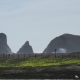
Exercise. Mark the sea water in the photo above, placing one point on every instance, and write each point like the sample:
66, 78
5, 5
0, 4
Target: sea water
39, 79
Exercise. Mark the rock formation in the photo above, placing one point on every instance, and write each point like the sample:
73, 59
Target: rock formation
69, 42
4, 48
25, 49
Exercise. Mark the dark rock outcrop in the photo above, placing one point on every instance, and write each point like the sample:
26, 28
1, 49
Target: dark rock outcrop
4, 48
67, 41
25, 49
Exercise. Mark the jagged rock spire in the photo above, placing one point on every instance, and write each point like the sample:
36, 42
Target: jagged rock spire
26, 49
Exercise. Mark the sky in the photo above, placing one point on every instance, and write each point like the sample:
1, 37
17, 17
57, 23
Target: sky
38, 21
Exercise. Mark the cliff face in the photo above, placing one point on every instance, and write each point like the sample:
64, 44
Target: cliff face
25, 49
66, 41
4, 48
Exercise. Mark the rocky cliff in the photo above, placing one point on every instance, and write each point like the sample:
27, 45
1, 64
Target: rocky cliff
4, 48
69, 42
26, 49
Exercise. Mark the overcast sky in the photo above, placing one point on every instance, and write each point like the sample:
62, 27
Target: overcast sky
38, 21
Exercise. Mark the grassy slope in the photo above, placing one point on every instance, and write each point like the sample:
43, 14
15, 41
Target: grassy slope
38, 62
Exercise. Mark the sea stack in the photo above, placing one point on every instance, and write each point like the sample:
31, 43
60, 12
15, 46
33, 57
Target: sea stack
4, 48
26, 49
69, 42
